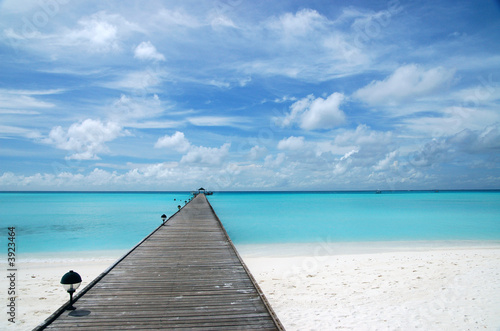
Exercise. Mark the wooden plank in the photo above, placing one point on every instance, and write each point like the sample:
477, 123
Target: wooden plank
185, 275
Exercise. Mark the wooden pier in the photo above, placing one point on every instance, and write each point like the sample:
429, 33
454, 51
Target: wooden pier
185, 275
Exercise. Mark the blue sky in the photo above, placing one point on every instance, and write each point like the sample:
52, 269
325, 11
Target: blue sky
249, 95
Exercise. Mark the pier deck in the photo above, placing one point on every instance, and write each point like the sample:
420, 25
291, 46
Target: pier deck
185, 275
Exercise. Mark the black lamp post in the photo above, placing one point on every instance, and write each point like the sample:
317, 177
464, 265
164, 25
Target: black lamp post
71, 281
164, 218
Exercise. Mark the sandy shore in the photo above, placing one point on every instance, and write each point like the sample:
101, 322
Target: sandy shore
426, 286
383, 286
39, 292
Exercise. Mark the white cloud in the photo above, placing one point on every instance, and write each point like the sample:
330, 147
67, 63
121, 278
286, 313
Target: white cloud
327, 147
291, 143
33, 92
177, 142
371, 24
364, 148
206, 155
432, 153
274, 162
346, 163
155, 171
486, 140
349, 154
342, 167
97, 32
387, 162
343, 51
194, 154
218, 83
406, 83
143, 80
313, 46
324, 114
479, 95
219, 20
12, 131
19, 104
228, 49
363, 136
285, 98
84, 139
146, 51
316, 113
24, 100
298, 24
450, 121
256, 152
128, 109
460, 147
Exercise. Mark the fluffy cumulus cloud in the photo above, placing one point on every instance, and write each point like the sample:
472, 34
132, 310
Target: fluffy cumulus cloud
291, 143
406, 83
365, 150
146, 51
84, 139
193, 154
177, 142
257, 152
276, 161
299, 24
389, 161
206, 155
312, 113
98, 31
363, 135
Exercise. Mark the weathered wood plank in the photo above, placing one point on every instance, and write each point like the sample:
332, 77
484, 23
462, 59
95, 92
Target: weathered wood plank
185, 275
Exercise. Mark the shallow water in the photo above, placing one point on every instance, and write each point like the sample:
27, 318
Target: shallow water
58, 222
359, 216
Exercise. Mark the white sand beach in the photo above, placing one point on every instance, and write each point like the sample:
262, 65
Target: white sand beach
39, 292
383, 286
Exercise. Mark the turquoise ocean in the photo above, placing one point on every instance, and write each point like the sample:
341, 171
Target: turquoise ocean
86, 221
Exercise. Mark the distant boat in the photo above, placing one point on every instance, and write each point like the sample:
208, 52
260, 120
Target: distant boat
378, 191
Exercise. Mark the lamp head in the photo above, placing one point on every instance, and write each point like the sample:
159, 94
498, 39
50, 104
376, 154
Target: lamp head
71, 281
